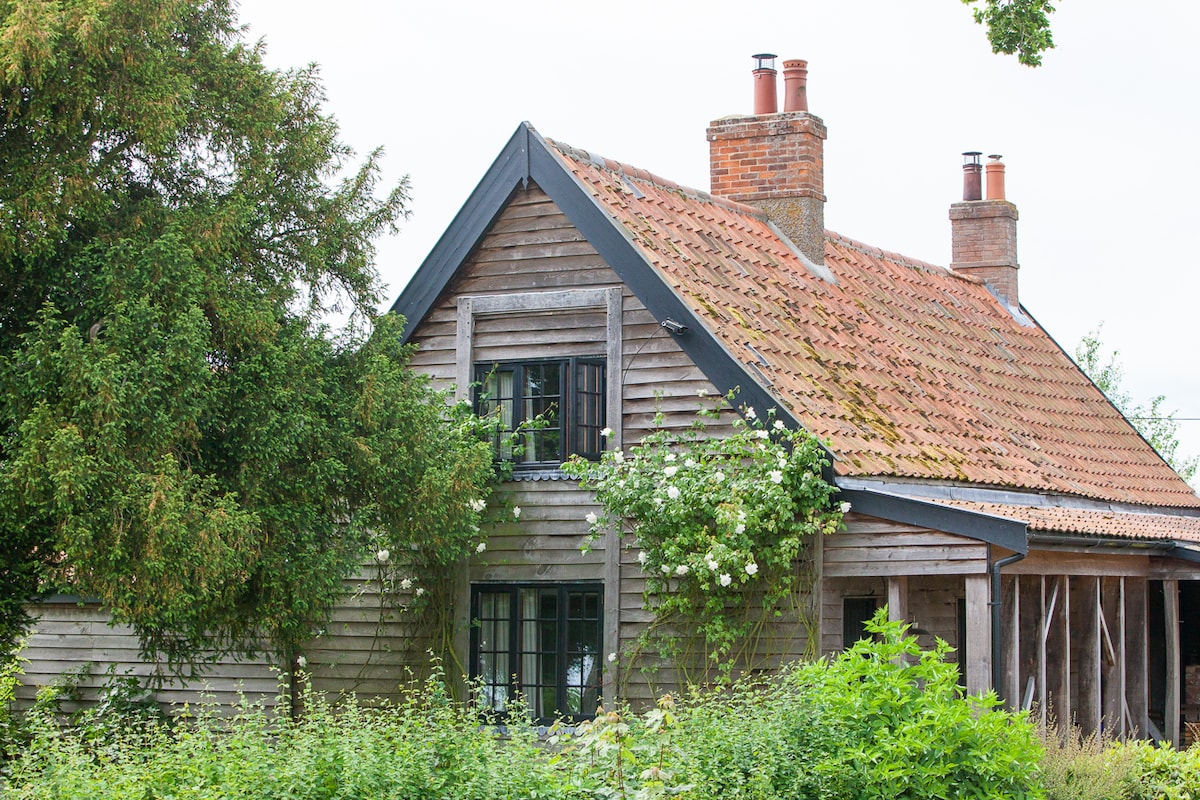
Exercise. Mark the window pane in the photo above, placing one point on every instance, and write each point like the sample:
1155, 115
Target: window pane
542, 409
583, 631
589, 411
493, 668
496, 398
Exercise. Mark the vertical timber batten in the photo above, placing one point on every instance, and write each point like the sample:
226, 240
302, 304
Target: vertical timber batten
979, 634
1171, 609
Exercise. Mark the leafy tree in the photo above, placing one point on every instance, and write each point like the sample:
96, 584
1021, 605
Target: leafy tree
1017, 26
179, 435
1156, 425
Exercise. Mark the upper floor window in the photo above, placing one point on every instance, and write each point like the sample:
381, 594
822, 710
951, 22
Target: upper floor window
555, 408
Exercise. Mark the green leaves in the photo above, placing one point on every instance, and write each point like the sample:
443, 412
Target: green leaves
1017, 26
720, 521
179, 436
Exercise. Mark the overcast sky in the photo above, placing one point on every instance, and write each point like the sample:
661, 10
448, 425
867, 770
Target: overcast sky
1099, 141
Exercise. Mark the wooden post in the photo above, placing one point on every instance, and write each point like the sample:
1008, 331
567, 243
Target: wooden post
897, 598
979, 637
1043, 692
1137, 692
1171, 607
1011, 625
1089, 701
1112, 634
612, 613
1058, 653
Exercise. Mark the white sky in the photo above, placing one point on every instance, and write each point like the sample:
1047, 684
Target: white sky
1099, 141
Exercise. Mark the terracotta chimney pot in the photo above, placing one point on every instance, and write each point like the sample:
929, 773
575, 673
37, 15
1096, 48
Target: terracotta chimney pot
795, 85
995, 178
765, 99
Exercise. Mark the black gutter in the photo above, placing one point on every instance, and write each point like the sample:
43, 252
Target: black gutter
997, 619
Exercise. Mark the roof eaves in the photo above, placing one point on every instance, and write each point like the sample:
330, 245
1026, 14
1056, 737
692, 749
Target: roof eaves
1001, 531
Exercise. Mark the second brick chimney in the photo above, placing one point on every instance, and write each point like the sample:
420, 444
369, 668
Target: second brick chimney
984, 231
775, 160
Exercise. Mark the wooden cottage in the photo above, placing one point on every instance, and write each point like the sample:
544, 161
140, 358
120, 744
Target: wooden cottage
998, 500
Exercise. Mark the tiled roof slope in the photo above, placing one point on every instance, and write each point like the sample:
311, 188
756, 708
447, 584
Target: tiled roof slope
1097, 522
905, 368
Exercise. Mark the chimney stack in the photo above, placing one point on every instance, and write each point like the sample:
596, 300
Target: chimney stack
984, 232
774, 160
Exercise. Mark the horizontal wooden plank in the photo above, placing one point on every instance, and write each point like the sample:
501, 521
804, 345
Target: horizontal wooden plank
897, 554
888, 568
853, 538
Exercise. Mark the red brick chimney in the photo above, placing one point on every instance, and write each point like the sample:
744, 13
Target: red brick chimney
775, 160
984, 232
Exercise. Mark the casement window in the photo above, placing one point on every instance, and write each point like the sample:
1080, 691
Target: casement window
556, 408
543, 641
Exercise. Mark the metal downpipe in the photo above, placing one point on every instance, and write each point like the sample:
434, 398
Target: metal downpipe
997, 622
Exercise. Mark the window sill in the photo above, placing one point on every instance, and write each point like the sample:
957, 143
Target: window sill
539, 474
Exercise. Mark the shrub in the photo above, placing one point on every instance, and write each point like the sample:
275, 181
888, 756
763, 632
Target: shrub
911, 732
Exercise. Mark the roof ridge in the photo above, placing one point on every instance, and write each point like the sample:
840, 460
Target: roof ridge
896, 258
637, 173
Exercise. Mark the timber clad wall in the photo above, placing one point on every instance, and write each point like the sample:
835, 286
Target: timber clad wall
69, 635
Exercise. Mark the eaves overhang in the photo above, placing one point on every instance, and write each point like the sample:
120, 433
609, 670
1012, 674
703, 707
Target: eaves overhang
1008, 533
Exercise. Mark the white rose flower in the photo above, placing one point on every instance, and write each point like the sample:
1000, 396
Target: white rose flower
478, 506
516, 512
782, 462
846, 507
752, 568
719, 477
591, 518
479, 548
681, 570
750, 412
673, 492
670, 471
420, 591
612, 658
669, 457
382, 556
666, 569
763, 434
691, 462
301, 662
642, 557
725, 579
779, 425
776, 476
406, 584
711, 562
740, 529
619, 457
702, 392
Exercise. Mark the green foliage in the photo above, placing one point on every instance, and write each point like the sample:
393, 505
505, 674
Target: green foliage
1017, 26
859, 726
909, 730
1156, 425
180, 438
720, 522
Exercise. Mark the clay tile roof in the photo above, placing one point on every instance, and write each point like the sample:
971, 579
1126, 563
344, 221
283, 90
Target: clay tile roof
1095, 522
905, 368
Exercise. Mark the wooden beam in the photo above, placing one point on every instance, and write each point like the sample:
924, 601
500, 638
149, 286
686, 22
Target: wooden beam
979, 638
897, 597
1088, 703
1011, 633
1043, 695
1113, 667
1058, 652
1137, 693
1171, 608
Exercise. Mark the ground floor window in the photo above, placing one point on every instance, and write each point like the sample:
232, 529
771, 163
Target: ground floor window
856, 612
541, 640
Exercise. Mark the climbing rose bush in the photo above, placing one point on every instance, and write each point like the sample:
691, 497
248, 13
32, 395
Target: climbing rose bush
720, 522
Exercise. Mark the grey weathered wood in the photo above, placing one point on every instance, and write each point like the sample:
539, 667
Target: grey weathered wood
897, 597
1088, 708
1010, 624
979, 639
1171, 636
1136, 687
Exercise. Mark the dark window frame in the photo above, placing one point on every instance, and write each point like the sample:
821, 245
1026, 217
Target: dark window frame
580, 398
589, 692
